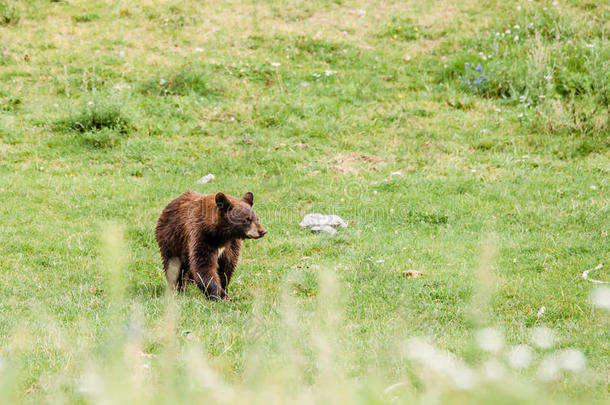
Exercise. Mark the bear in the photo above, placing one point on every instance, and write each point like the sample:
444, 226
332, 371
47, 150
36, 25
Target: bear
200, 238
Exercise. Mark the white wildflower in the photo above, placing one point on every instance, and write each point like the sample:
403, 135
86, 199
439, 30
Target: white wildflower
601, 297
520, 356
549, 368
493, 370
442, 363
275, 64
490, 340
91, 384
571, 360
543, 337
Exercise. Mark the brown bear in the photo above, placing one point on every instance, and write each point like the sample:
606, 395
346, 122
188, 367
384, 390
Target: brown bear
200, 238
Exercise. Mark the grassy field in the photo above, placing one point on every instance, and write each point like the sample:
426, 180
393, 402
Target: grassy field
467, 140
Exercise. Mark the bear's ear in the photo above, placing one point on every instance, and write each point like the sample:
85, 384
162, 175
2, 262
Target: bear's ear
249, 198
223, 202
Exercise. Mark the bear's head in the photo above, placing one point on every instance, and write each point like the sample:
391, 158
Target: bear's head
238, 217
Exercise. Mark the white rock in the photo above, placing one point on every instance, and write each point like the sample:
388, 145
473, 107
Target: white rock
321, 222
324, 228
205, 179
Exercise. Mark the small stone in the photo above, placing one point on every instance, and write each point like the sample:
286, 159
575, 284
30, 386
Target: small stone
412, 273
315, 219
206, 179
324, 228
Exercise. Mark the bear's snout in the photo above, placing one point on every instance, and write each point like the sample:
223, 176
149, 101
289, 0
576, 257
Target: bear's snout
256, 231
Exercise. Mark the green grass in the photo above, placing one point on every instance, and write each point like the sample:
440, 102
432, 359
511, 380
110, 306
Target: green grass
108, 110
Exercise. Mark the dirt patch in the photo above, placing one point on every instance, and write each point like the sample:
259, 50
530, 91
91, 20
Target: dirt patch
355, 162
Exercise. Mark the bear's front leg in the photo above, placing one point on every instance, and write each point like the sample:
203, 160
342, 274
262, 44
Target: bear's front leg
227, 262
204, 271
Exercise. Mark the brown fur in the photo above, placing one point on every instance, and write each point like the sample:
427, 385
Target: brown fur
205, 232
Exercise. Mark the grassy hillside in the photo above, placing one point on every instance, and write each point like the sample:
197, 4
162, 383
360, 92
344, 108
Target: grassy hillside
466, 140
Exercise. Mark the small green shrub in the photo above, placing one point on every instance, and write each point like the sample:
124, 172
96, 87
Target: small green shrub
257, 72
9, 134
100, 123
431, 218
255, 41
319, 49
103, 138
584, 116
95, 116
399, 28
8, 14
185, 81
83, 18
9, 103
